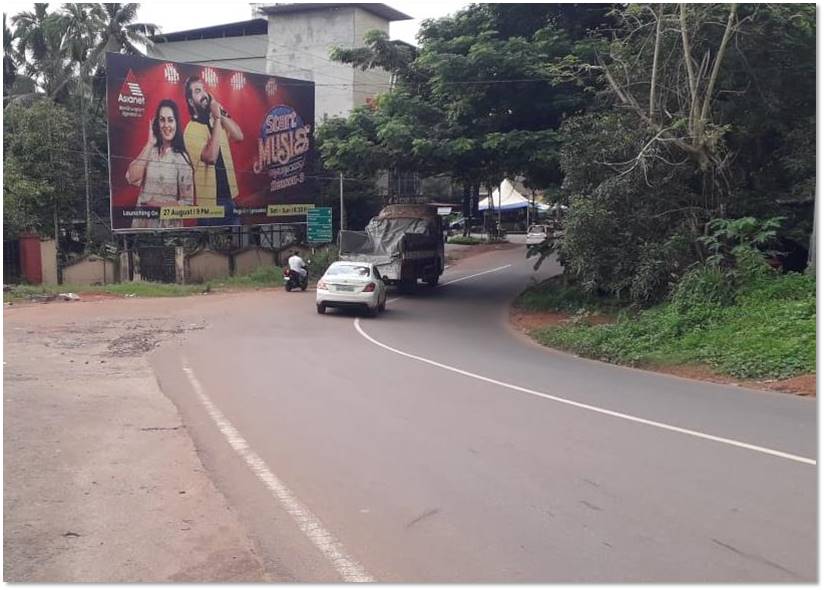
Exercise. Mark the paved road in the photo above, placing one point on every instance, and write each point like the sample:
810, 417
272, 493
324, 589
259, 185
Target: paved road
434, 444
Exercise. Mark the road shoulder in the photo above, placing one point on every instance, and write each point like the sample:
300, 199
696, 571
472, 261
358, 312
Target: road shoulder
102, 481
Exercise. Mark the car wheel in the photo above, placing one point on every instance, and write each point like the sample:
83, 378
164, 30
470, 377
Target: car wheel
321, 308
382, 305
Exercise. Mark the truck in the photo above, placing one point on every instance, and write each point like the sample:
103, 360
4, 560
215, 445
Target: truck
404, 242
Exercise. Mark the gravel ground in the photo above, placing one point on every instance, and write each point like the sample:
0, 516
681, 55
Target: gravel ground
102, 482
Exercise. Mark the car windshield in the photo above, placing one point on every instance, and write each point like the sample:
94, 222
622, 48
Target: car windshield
348, 270
537, 229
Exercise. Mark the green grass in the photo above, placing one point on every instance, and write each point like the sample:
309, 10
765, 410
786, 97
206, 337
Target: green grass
269, 276
136, 288
464, 240
554, 295
264, 276
767, 332
472, 241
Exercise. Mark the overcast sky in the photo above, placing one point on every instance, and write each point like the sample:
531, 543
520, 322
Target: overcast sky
181, 16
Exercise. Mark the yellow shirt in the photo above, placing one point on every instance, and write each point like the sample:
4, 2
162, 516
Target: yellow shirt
195, 137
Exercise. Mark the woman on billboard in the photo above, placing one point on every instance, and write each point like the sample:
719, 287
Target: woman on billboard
163, 169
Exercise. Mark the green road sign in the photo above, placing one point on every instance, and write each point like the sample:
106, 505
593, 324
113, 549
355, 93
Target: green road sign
319, 225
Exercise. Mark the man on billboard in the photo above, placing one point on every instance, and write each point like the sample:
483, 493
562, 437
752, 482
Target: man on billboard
207, 139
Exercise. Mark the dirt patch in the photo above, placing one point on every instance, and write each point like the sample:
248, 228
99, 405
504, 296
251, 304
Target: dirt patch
454, 255
84, 296
527, 321
801, 385
805, 385
102, 482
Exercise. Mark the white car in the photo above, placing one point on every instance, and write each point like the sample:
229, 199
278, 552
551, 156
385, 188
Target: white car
536, 234
356, 285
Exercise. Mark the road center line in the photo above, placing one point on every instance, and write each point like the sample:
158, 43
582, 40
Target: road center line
311, 526
477, 274
591, 408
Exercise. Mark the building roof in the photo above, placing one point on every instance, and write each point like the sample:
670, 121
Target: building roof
381, 10
256, 26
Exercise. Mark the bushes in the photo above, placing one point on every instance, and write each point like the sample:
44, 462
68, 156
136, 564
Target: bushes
465, 240
761, 325
321, 259
471, 241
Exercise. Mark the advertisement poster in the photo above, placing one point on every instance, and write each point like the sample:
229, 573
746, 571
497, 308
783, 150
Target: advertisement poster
195, 146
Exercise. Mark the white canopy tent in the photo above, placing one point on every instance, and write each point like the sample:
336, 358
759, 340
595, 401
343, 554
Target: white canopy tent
507, 198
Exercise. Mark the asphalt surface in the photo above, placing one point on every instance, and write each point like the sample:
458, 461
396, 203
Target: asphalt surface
349, 456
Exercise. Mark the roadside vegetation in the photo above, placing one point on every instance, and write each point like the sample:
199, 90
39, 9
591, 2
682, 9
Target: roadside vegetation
733, 313
473, 241
260, 278
320, 260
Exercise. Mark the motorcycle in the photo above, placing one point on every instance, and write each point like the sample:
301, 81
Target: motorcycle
293, 280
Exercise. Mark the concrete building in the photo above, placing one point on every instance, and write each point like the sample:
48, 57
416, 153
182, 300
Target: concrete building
292, 40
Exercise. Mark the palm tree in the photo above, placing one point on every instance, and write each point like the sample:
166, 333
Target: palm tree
118, 34
9, 59
84, 25
44, 50
97, 29
29, 31
55, 47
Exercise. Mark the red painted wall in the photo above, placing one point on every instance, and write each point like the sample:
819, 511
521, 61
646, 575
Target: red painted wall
30, 265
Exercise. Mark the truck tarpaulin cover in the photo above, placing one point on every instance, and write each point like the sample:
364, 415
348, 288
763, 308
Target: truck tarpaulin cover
383, 239
193, 146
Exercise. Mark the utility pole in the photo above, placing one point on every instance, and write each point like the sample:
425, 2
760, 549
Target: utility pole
342, 211
87, 244
528, 207
499, 207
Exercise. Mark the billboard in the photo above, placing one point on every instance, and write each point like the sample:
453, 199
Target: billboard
194, 146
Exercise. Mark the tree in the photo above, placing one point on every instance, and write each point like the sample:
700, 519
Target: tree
64, 52
703, 112
22, 198
43, 47
9, 60
41, 144
476, 101
118, 33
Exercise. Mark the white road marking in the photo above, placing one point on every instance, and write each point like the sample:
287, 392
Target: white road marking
311, 526
477, 274
629, 417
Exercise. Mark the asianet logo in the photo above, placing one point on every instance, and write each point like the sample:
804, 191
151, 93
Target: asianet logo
130, 92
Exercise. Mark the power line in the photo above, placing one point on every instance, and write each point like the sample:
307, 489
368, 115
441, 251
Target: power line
344, 82
384, 84
247, 55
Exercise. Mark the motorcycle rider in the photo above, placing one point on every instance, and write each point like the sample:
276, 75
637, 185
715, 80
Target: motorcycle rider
297, 264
